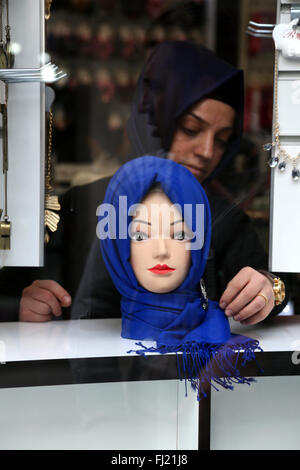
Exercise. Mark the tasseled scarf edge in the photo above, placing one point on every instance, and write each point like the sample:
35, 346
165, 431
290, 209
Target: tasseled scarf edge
205, 364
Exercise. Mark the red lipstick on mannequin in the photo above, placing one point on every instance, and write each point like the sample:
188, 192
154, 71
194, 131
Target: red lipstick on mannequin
161, 269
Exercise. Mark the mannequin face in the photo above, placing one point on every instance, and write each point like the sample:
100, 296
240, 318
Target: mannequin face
159, 257
201, 137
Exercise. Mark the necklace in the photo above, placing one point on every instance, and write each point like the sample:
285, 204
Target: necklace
281, 157
52, 204
6, 60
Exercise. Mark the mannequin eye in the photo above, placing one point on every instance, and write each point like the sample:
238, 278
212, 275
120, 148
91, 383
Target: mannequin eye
139, 236
181, 235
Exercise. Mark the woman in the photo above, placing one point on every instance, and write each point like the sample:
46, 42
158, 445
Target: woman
188, 106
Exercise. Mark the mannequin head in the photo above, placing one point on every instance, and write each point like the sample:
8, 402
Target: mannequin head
159, 253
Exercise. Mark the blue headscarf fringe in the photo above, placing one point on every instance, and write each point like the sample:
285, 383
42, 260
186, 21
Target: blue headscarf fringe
205, 364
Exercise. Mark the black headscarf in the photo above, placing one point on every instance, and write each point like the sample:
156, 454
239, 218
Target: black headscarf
176, 76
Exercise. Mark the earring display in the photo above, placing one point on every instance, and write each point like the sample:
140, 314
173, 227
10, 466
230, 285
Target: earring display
5, 225
6, 61
280, 157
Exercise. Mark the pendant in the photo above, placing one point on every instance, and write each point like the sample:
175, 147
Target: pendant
267, 147
282, 166
295, 174
52, 206
273, 162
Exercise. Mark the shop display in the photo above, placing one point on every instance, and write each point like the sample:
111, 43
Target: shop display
104, 83
6, 61
104, 42
287, 39
5, 225
159, 302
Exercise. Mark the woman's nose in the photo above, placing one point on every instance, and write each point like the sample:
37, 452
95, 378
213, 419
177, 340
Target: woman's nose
204, 146
160, 248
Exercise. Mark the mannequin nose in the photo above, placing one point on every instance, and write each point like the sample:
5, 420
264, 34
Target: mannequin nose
160, 249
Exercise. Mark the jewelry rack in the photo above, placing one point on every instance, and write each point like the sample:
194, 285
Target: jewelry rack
25, 135
284, 254
48, 73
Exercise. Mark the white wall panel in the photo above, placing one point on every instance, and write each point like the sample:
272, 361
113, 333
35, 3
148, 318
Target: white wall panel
26, 139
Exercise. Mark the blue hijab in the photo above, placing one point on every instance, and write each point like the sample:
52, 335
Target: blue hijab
183, 321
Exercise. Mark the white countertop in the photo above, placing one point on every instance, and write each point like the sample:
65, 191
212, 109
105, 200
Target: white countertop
68, 339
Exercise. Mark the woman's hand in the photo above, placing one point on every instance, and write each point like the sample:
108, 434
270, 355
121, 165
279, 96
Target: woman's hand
248, 297
42, 300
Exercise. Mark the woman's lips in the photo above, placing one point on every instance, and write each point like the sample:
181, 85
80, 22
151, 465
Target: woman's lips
193, 169
161, 269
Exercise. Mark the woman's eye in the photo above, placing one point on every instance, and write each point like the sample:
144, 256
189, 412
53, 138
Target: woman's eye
139, 236
189, 132
222, 143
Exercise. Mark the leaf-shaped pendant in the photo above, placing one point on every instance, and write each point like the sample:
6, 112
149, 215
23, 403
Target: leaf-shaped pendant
51, 218
52, 203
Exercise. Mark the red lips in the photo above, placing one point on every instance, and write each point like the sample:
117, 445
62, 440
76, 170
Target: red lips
161, 269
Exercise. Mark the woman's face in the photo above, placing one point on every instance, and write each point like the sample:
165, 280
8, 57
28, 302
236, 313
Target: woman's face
160, 255
201, 137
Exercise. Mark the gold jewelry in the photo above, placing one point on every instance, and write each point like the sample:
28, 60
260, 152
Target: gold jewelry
10, 55
6, 61
47, 9
263, 296
52, 204
278, 286
274, 160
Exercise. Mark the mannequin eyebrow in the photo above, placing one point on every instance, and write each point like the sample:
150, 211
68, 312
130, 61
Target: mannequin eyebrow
176, 222
149, 223
141, 221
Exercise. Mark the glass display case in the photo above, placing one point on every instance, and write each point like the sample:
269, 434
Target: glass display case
88, 88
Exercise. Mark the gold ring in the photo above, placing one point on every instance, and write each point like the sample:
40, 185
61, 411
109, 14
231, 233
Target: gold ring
264, 297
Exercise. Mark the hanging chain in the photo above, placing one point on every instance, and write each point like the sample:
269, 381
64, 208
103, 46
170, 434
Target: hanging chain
49, 160
1, 21
5, 155
52, 205
7, 27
